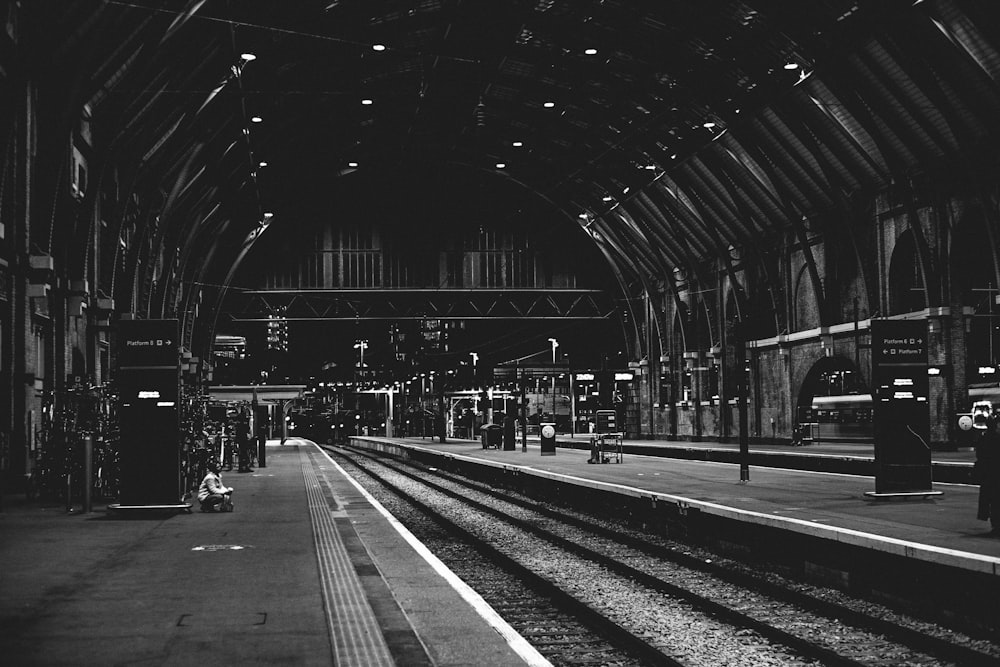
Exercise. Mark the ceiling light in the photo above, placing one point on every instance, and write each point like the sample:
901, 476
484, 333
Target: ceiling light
607, 198
651, 167
268, 215
501, 165
367, 102
591, 52
791, 65
256, 119
378, 47
625, 191
517, 144
262, 163
247, 57
709, 124
352, 164
549, 105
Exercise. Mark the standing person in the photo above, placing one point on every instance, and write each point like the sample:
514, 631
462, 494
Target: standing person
243, 445
213, 495
987, 468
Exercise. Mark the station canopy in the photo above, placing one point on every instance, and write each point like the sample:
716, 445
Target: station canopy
670, 135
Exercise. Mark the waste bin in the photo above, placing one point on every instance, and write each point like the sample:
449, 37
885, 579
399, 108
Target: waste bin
492, 435
547, 431
509, 433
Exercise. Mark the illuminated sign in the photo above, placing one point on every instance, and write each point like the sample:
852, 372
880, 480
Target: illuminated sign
149, 394
623, 376
585, 377
987, 370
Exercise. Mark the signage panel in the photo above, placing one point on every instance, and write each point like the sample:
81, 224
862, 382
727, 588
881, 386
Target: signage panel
606, 421
148, 343
901, 414
149, 446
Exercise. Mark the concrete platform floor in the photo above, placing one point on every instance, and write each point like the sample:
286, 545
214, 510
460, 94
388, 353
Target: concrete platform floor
306, 571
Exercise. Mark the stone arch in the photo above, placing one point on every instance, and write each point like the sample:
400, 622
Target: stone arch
848, 415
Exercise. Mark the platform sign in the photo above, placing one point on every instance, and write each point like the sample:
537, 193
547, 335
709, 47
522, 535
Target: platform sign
147, 343
901, 412
606, 421
148, 383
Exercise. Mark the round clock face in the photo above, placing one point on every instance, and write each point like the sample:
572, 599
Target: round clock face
548, 431
965, 422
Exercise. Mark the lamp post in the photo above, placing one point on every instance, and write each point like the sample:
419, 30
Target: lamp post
361, 345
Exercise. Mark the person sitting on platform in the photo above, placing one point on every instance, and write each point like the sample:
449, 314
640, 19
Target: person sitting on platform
987, 466
213, 495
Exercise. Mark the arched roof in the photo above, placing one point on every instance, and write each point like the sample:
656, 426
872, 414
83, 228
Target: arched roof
670, 131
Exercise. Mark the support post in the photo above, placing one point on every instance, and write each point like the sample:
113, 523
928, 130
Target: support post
742, 385
88, 474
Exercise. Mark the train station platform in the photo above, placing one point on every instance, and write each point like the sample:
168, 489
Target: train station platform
931, 549
804, 497
305, 571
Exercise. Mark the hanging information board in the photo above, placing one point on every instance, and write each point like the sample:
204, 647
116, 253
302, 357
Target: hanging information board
900, 408
148, 387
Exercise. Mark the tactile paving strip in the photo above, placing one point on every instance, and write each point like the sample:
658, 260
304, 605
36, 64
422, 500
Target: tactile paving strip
354, 631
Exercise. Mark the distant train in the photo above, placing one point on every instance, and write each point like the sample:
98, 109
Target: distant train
848, 417
843, 418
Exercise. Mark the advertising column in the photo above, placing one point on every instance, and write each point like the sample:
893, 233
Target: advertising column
148, 382
900, 410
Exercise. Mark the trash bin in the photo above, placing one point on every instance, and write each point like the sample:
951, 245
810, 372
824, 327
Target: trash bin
509, 433
492, 435
547, 431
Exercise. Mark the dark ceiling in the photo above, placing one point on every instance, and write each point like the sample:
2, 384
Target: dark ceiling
669, 131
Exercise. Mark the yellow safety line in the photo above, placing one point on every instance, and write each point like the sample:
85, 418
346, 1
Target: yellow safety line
354, 632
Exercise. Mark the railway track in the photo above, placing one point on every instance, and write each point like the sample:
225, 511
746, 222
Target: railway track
554, 623
646, 587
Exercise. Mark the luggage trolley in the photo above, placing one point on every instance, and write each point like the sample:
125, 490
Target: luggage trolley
606, 444
606, 447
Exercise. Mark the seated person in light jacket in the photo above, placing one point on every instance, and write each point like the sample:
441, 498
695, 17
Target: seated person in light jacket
213, 494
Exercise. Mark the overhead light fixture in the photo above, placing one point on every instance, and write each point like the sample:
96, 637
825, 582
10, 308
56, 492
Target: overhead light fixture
268, 215
501, 165
548, 105
651, 167
708, 124
367, 101
791, 66
591, 52
352, 164
517, 144
256, 119
625, 191
378, 47
247, 57
607, 198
